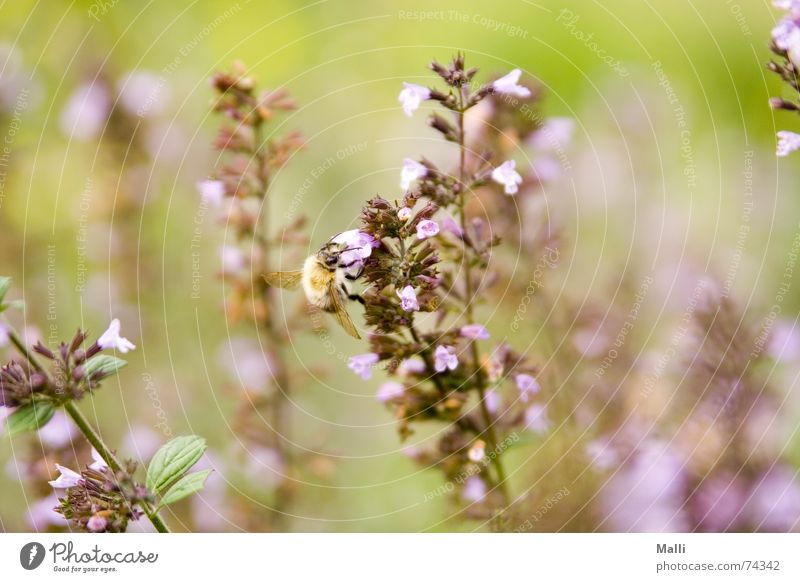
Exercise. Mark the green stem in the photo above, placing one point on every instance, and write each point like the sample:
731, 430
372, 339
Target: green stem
491, 437
86, 429
111, 460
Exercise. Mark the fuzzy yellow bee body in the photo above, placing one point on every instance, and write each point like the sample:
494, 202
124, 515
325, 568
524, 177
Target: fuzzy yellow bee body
324, 279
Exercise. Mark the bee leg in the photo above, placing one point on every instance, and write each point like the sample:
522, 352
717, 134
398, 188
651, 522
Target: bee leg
358, 298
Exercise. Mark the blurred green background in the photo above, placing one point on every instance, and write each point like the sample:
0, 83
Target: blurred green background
631, 199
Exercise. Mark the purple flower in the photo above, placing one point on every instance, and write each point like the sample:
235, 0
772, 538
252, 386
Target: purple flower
452, 227
411, 96
59, 432
788, 141
555, 133
86, 111
474, 331
506, 175
232, 258
601, 454
474, 489
493, 401
362, 365
412, 170
411, 366
211, 191
536, 419
510, 85
786, 36
112, 340
408, 299
404, 213
97, 523
359, 243
390, 391
445, 358
68, 478
427, 229
527, 386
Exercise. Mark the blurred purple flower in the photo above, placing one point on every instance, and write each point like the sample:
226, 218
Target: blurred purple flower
96, 523
411, 366
42, 514
774, 504
555, 133
784, 342
452, 227
493, 401
362, 365
232, 258
59, 432
474, 331
211, 191
527, 386
536, 419
445, 358
412, 170
404, 213
86, 111
474, 489
388, 391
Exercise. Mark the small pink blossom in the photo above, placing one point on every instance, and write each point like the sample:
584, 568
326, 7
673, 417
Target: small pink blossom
408, 299
411, 366
477, 451
427, 229
389, 391
493, 401
362, 365
404, 213
474, 489
68, 478
452, 227
527, 386
506, 175
412, 170
99, 463
509, 85
232, 258
536, 419
411, 96
112, 340
97, 523
211, 191
788, 141
474, 331
445, 358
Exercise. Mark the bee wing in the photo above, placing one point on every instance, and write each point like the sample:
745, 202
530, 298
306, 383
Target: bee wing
284, 279
340, 312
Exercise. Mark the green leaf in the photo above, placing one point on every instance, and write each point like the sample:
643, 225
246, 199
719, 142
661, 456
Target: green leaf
185, 486
173, 460
5, 283
103, 365
32, 416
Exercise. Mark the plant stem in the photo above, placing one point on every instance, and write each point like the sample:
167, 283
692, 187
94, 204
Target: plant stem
111, 460
279, 416
86, 429
491, 437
